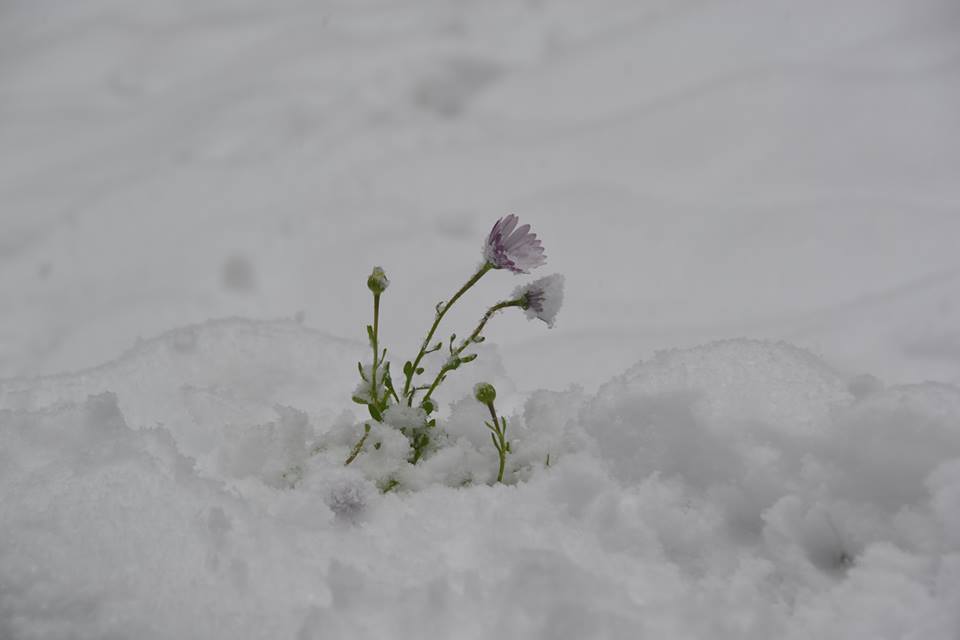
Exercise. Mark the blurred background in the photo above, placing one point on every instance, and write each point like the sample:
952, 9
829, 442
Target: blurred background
697, 170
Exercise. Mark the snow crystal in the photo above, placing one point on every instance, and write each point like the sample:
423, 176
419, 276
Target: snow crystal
403, 417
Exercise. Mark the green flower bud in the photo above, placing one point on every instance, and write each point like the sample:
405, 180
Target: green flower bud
377, 282
485, 393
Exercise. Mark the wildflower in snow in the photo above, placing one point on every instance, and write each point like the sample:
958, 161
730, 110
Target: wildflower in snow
541, 298
511, 247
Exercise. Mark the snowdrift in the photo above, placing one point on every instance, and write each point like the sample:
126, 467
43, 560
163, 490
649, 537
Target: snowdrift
740, 489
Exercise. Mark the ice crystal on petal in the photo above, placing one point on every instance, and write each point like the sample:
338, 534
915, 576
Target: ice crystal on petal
542, 298
511, 247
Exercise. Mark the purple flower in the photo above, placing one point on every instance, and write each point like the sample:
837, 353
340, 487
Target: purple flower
542, 298
514, 248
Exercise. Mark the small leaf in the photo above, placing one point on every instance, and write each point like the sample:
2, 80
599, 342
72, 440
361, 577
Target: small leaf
507, 446
375, 413
362, 374
427, 406
377, 445
407, 368
432, 423
468, 358
360, 400
370, 333
479, 339
419, 370
496, 444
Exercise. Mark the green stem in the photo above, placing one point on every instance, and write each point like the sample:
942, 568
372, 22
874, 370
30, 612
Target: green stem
433, 328
470, 340
501, 437
357, 448
376, 329
483, 322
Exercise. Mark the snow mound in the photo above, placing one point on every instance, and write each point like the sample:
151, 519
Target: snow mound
210, 383
735, 490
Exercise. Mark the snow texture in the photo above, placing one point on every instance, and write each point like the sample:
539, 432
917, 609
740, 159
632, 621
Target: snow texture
193, 193
734, 490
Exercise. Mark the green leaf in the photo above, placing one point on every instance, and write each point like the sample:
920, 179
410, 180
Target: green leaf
468, 358
428, 406
360, 400
496, 444
419, 370
370, 333
375, 413
408, 368
360, 369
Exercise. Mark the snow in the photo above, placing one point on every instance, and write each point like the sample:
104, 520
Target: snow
737, 489
744, 425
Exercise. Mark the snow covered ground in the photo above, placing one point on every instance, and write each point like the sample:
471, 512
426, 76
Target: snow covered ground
750, 400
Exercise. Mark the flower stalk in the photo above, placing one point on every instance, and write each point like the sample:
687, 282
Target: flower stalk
486, 394
357, 448
410, 369
454, 361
